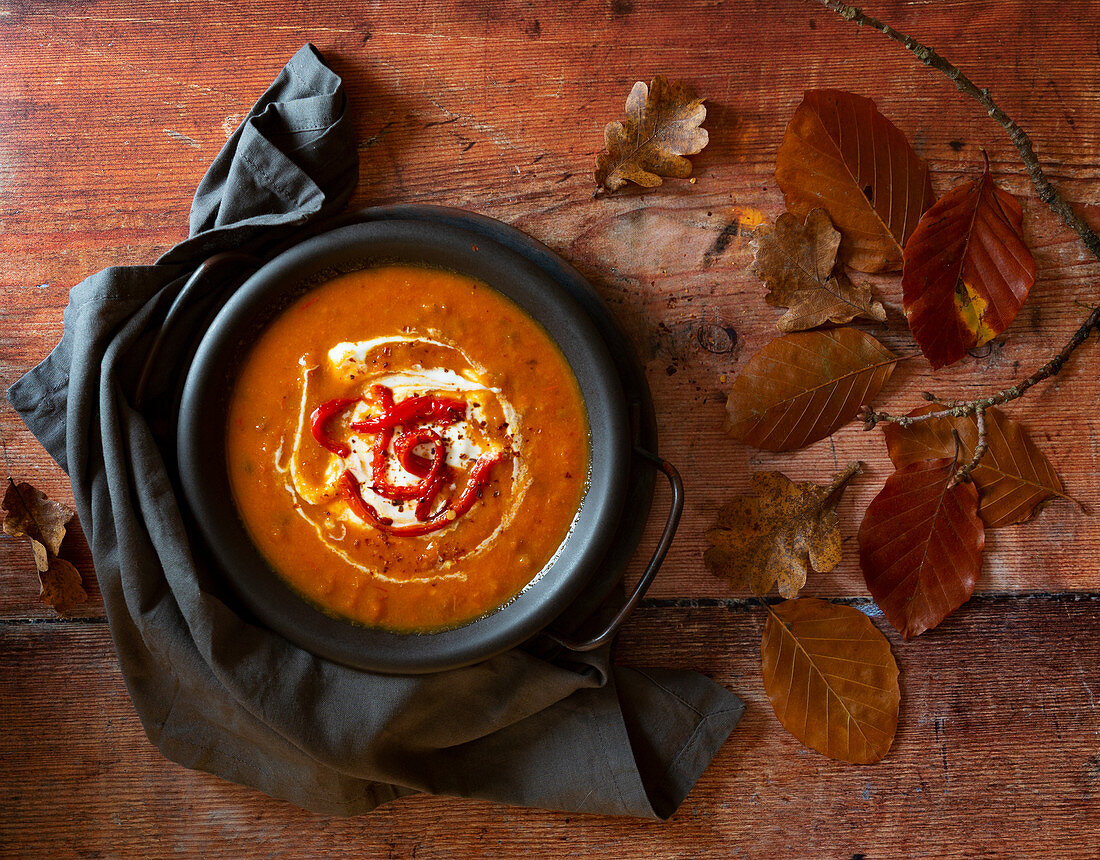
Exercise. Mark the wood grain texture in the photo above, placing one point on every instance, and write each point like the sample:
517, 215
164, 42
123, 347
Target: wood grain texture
984, 750
110, 111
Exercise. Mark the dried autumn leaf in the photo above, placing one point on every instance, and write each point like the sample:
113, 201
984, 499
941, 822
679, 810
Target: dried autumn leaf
920, 545
778, 534
29, 513
803, 387
841, 154
662, 125
831, 678
967, 270
796, 263
1014, 478
62, 587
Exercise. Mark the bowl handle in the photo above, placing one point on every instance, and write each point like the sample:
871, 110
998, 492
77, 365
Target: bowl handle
676, 508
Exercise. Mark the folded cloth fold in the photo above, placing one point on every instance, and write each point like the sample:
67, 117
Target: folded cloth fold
219, 693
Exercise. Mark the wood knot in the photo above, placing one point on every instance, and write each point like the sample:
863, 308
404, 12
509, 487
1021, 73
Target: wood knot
717, 339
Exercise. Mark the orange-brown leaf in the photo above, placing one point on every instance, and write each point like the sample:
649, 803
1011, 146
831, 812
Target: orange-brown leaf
662, 125
841, 154
831, 678
776, 535
967, 270
29, 513
796, 261
920, 545
62, 587
802, 387
1014, 478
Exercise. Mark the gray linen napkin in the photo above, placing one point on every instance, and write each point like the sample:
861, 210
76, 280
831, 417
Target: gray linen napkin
218, 693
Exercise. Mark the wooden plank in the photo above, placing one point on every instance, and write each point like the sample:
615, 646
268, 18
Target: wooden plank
998, 753
114, 110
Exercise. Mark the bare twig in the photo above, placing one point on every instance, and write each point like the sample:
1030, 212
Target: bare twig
982, 445
1047, 193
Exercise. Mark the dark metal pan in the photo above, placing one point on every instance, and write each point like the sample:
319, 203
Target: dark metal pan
202, 427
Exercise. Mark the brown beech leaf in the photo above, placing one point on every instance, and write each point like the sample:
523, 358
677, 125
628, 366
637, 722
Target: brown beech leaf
29, 513
662, 125
967, 270
920, 545
62, 587
831, 678
775, 536
841, 154
796, 263
1015, 480
803, 387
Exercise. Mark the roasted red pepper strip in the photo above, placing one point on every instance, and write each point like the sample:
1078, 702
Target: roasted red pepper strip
475, 483
445, 410
382, 441
319, 419
403, 448
363, 510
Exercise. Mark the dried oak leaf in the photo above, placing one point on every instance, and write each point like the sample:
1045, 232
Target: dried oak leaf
920, 545
967, 270
29, 513
796, 263
1015, 480
802, 387
662, 125
62, 587
841, 154
775, 536
831, 678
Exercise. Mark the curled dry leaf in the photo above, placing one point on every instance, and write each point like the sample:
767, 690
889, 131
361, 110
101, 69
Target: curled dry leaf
831, 678
1015, 480
802, 387
967, 270
29, 513
662, 125
841, 154
775, 536
62, 587
796, 262
920, 545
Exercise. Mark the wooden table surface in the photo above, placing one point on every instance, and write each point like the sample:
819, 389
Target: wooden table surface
109, 114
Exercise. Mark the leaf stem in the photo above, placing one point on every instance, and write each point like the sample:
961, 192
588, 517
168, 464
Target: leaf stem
1047, 193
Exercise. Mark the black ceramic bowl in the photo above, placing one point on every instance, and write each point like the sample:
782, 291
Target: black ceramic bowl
202, 429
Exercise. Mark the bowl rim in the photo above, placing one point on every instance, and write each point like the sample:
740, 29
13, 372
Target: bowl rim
201, 441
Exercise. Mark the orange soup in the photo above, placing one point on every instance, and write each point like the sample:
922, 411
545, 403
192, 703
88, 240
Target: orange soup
407, 447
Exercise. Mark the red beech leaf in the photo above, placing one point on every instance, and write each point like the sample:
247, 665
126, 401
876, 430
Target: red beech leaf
920, 545
841, 154
831, 678
803, 387
967, 270
1015, 480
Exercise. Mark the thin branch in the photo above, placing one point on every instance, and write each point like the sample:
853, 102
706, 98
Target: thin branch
1047, 193
963, 474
